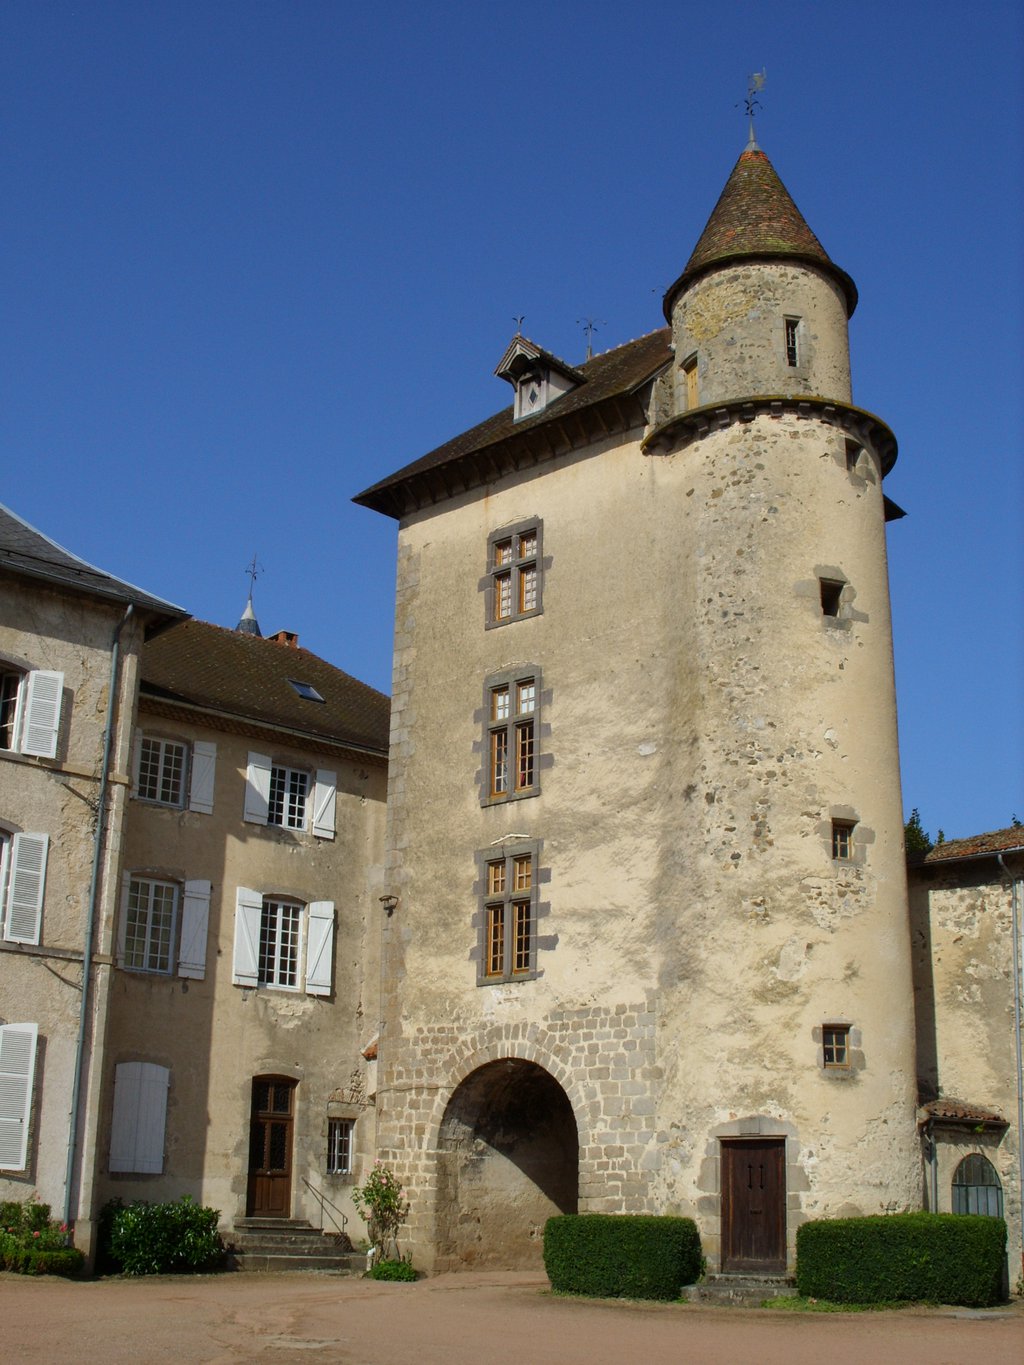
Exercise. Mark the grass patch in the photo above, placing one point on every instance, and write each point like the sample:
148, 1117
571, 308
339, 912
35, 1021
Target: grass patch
798, 1304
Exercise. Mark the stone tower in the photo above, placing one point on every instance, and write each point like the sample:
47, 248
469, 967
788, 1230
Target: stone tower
650, 948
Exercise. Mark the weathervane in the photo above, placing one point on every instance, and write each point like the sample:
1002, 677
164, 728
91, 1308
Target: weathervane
252, 572
754, 87
590, 326
519, 324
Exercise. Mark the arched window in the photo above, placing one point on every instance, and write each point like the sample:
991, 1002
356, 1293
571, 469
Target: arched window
976, 1187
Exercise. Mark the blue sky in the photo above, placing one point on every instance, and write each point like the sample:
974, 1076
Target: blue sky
257, 255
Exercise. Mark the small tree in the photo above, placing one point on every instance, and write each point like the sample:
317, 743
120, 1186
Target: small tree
915, 836
383, 1207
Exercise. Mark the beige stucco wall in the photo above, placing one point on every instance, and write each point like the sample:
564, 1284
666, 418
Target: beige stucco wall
702, 724
215, 1036
43, 628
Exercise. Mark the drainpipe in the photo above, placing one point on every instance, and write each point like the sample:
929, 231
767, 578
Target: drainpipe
90, 921
1018, 967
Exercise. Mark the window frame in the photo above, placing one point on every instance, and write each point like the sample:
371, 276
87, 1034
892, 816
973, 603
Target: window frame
792, 342
514, 734
132, 879
295, 910
960, 1191
514, 570
164, 743
835, 1039
287, 774
345, 1150
35, 708
842, 840
12, 682
508, 914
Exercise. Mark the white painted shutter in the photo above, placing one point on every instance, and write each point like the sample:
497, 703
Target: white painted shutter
140, 1118
17, 1068
325, 798
25, 887
204, 768
43, 695
319, 948
257, 789
195, 925
248, 913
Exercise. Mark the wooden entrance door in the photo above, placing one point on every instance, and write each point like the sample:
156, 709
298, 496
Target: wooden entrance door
754, 1205
270, 1148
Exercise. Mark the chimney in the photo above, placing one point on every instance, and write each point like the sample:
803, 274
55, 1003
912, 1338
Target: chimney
286, 637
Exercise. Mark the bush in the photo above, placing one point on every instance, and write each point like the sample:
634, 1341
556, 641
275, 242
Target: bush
31, 1243
612, 1256
160, 1239
935, 1257
393, 1270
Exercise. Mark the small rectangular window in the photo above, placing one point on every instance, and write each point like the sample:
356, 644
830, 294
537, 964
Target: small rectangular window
340, 1133
793, 342
305, 690
161, 775
842, 840
514, 570
836, 1045
853, 454
831, 596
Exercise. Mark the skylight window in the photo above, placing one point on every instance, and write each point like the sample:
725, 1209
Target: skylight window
306, 690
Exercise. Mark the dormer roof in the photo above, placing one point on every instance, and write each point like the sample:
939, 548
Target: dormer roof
523, 355
756, 219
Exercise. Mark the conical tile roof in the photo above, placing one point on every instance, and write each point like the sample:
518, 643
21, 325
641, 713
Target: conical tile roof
755, 219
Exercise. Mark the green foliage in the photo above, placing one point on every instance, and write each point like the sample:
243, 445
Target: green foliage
160, 1239
31, 1243
929, 1257
393, 1270
915, 838
383, 1207
621, 1256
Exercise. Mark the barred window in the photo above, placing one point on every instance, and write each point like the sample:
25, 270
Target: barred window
340, 1133
280, 932
976, 1187
151, 912
161, 771
514, 569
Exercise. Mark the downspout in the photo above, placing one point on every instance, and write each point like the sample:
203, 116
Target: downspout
90, 921
1018, 966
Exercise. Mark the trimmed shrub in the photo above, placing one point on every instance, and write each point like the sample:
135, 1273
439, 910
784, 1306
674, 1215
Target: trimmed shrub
393, 1270
31, 1243
621, 1255
161, 1239
935, 1257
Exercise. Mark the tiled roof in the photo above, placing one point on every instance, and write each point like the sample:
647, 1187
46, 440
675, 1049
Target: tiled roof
755, 218
249, 678
478, 454
959, 1112
996, 841
24, 550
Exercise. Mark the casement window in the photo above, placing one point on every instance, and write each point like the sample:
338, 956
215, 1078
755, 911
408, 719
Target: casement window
169, 770
139, 1119
514, 573
508, 917
276, 937
511, 702
286, 797
976, 1187
842, 840
835, 1042
23, 871
30, 711
164, 925
17, 1073
340, 1134
793, 357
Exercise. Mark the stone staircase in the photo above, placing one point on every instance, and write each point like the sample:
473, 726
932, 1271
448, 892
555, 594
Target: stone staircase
748, 1291
290, 1244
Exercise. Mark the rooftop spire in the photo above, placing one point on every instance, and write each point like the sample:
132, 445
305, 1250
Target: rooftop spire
756, 218
248, 625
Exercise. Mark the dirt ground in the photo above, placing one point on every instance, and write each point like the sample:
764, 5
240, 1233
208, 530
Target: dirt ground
501, 1318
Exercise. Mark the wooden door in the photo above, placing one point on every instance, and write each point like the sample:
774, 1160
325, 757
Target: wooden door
270, 1148
754, 1205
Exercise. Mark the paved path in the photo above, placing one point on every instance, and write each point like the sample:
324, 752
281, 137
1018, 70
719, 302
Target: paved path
502, 1318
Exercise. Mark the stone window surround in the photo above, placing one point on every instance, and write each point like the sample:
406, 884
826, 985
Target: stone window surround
861, 837
847, 613
854, 1049
511, 846
487, 583
542, 760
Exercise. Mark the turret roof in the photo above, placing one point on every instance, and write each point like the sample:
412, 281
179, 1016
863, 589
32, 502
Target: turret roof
755, 218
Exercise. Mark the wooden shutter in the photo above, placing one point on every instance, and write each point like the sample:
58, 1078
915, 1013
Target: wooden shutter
25, 887
195, 925
248, 913
43, 695
320, 948
139, 1118
17, 1069
257, 789
204, 769
325, 798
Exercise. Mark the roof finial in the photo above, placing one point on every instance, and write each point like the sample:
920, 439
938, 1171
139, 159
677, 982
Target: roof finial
590, 326
248, 625
519, 324
754, 87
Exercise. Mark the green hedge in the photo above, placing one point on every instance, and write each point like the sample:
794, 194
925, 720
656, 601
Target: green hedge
621, 1256
935, 1257
67, 1261
160, 1239
31, 1243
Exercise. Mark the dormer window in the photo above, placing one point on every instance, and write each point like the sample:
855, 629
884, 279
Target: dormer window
538, 377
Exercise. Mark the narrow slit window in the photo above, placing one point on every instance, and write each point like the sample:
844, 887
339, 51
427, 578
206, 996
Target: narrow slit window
831, 596
853, 454
690, 380
793, 342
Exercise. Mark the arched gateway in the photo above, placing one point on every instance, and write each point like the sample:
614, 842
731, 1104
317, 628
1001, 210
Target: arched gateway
508, 1159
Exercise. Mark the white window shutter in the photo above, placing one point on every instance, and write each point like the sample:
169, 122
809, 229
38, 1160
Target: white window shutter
320, 948
257, 789
140, 1118
325, 800
43, 695
17, 1069
195, 926
25, 887
248, 913
204, 769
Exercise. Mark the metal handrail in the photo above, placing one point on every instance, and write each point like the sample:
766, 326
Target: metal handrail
322, 1200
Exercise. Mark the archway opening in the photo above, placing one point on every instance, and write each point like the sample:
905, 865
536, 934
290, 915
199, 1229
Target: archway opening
508, 1161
